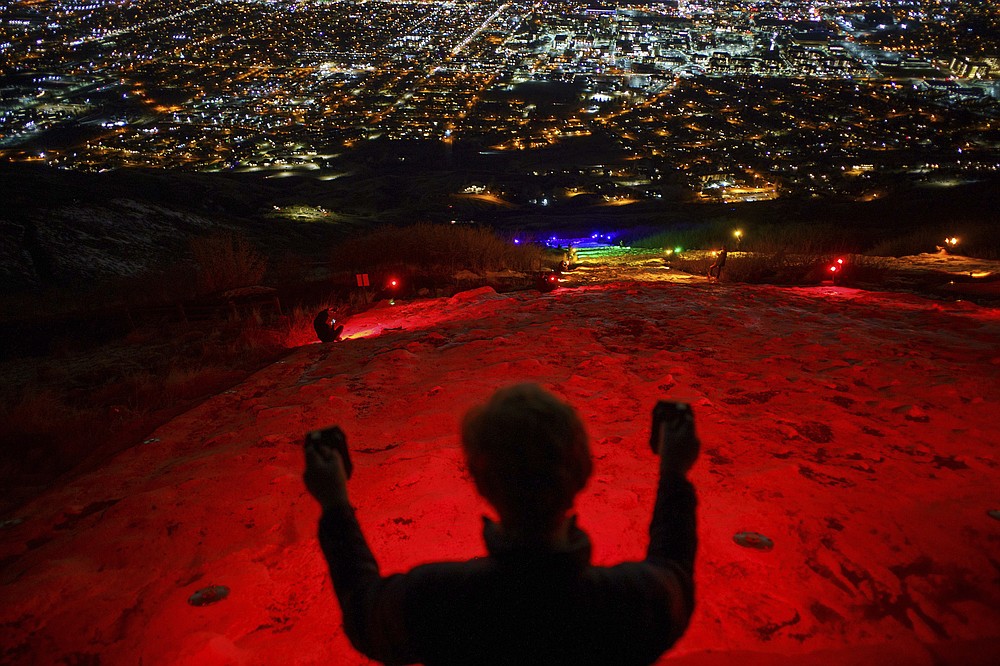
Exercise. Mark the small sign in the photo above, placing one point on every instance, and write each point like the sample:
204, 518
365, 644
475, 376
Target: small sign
362, 279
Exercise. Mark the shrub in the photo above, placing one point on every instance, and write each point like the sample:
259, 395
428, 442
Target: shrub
694, 266
914, 242
775, 268
226, 262
863, 270
759, 268
435, 248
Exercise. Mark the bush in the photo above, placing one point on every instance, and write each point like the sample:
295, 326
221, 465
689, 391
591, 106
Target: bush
226, 262
432, 248
759, 268
863, 270
915, 242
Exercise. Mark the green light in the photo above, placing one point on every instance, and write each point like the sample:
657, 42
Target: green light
678, 249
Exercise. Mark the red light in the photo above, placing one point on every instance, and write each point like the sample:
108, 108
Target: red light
833, 269
392, 283
840, 261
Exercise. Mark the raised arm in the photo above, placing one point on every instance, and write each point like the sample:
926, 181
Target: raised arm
372, 606
673, 535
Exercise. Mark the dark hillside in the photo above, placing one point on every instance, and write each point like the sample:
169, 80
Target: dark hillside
69, 230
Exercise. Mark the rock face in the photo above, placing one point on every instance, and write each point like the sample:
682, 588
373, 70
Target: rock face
852, 431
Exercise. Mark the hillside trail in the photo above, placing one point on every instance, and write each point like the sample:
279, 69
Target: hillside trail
938, 275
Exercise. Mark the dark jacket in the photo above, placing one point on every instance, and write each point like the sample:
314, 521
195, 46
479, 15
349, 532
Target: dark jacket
325, 330
521, 606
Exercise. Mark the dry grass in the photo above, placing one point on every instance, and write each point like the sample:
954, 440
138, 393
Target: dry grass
226, 262
862, 270
72, 411
431, 248
760, 268
785, 269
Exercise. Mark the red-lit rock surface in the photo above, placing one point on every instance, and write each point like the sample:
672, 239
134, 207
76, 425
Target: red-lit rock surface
856, 430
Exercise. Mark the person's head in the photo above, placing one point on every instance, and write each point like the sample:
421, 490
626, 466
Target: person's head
528, 455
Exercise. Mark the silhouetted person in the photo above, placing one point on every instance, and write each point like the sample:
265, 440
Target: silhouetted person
326, 326
720, 263
535, 599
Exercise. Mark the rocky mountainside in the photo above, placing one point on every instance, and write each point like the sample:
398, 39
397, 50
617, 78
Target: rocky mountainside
63, 229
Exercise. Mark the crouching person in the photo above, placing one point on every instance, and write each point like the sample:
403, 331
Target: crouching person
326, 327
535, 599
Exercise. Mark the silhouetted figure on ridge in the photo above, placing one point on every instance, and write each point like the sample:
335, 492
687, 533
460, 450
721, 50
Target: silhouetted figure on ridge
720, 263
535, 599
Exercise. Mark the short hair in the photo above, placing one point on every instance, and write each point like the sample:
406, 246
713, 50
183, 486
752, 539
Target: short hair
528, 454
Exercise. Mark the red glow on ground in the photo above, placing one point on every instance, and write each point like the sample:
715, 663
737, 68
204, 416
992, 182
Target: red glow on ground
854, 430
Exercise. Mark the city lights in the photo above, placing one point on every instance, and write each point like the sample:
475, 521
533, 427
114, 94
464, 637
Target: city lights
744, 106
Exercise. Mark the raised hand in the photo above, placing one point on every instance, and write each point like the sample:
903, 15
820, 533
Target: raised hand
325, 476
